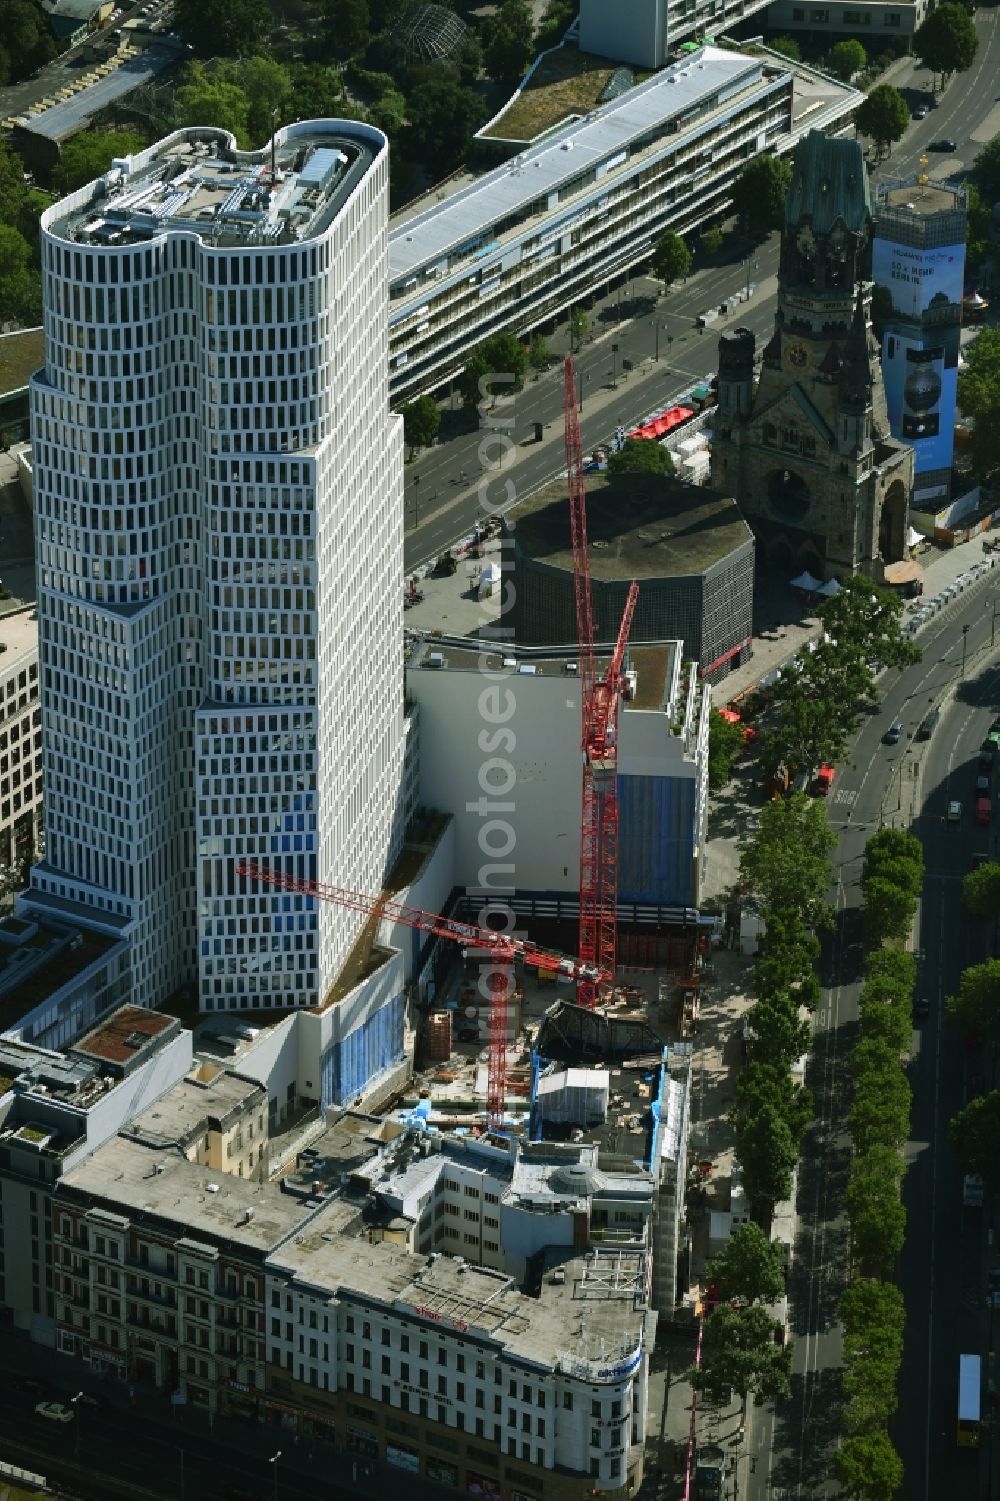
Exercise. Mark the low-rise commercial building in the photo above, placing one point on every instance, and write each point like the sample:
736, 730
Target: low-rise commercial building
874, 22
583, 204
688, 548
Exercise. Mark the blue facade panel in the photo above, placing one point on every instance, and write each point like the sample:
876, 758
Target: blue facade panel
656, 821
359, 1057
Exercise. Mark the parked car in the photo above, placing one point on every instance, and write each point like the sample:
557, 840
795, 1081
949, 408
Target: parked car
921, 1008
984, 811
920, 113
893, 734
983, 785
942, 145
56, 1412
954, 812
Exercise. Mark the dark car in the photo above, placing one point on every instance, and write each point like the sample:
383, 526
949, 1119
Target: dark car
893, 733
942, 145
929, 724
982, 785
920, 112
921, 1008
986, 753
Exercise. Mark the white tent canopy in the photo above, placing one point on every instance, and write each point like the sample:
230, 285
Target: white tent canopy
913, 537
805, 581
829, 589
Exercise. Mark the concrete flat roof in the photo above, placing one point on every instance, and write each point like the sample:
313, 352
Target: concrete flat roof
191, 1104
639, 526
19, 639
567, 154
566, 1321
69, 115
922, 199
128, 1178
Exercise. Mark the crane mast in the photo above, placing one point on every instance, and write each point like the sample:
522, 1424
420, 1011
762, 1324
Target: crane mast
599, 705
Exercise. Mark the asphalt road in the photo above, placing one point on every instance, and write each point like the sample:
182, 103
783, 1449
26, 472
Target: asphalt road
941, 1271
443, 496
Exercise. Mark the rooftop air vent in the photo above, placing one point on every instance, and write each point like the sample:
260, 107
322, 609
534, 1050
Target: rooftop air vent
213, 1188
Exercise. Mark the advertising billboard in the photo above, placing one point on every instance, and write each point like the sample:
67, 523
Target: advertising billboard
917, 280
921, 382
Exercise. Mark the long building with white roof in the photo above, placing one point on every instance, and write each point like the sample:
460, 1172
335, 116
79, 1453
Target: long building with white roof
585, 203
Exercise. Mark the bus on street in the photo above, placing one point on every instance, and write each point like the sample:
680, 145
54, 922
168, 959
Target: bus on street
969, 1388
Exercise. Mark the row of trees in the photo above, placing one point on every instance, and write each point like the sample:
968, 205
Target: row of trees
879, 1123
815, 703
975, 1012
739, 1349
785, 874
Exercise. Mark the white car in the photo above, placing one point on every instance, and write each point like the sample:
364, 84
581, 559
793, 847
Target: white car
56, 1412
954, 812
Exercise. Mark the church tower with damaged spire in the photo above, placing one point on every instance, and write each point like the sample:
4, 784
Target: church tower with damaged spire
803, 441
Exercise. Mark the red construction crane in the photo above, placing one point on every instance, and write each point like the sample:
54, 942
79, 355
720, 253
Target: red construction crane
599, 702
500, 946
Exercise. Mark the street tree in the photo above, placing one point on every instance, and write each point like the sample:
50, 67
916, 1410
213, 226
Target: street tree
787, 46
946, 42
986, 171
749, 1268
785, 865
885, 1017
725, 741
739, 1351
975, 1010
847, 58
421, 420
866, 620
874, 1315
975, 1137
471, 381
869, 1466
712, 241
978, 224
876, 1214
897, 966
509, 42
506, 356
222, 28
641, 456
671, 258
90, 154
758, 194
766, 1084
539, 353
880, 1112
768, 1152
979, 398
882, 117
779, 1035
889, 908
981, 891
787, 953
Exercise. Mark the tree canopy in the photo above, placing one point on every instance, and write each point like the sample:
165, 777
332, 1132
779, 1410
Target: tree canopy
27, 43
986, 171
946, 41
785, 865
90, 154
509, 42
883, 117
725, 741
846, 58
222, 28
869, 1466
759, 193
749, 1268
443, 117
981, 891
671, 258
979, 398
739, 1351
787, 46
975, 1138
641, 456
421, 420
975, 1010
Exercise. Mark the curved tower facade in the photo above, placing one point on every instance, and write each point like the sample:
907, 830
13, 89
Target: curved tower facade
217, 484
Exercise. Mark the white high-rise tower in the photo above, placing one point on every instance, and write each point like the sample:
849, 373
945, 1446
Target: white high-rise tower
219, 545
